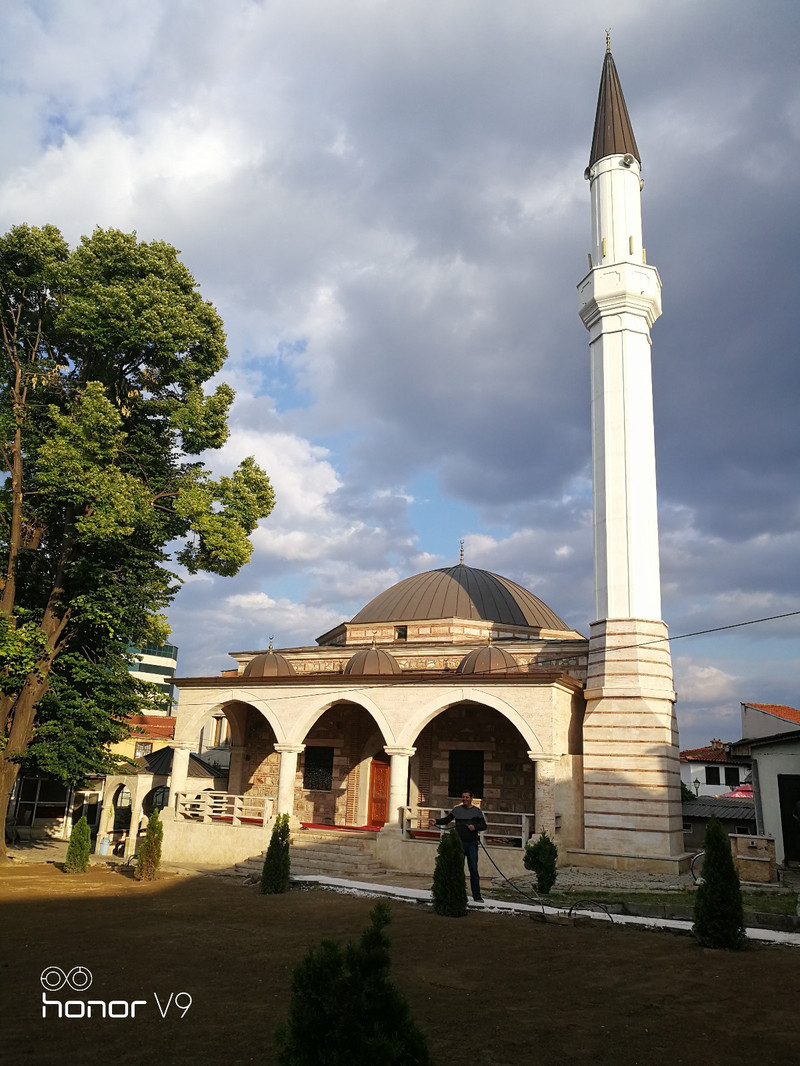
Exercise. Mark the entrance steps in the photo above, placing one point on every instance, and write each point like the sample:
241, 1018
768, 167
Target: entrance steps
328, 852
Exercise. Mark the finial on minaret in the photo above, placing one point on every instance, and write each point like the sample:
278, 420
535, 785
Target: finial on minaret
608, 40
461, 557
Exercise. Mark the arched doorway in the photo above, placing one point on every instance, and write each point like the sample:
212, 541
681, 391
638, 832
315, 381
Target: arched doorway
338, 783
472, 747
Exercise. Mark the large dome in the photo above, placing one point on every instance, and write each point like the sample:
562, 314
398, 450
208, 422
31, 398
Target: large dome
460, 592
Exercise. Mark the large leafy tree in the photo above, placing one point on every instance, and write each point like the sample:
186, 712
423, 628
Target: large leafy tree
105, 353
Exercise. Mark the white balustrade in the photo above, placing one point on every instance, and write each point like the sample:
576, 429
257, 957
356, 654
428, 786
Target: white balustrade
504, 828
224, 807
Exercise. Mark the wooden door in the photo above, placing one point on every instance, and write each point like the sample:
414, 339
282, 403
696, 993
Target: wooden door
379, 774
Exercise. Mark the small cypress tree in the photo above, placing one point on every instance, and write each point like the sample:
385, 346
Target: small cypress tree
345, 1010
449, 889
542, 857
79, 848
275, 874
150, 852
718, 911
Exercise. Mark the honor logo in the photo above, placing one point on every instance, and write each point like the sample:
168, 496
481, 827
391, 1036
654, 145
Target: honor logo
79, 979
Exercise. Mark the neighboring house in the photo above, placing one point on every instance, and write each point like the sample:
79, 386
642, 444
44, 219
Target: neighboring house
713, 770
737, 816
149, 732
767, 719
776, 781
215, 741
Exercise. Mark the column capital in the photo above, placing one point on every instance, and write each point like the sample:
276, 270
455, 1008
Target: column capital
541, 756
182, 745
289, 749
390, 749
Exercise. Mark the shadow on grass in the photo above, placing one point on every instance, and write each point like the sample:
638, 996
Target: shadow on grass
573, 993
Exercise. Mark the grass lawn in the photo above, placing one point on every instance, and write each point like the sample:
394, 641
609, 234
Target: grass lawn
487, 989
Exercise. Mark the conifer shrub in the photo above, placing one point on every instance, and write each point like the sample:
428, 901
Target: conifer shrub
79, 848
541, 857
718, 912
449, 889
345, 1010
275, 873
149, 858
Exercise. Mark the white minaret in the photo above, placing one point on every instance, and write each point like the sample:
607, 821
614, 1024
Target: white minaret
632, 811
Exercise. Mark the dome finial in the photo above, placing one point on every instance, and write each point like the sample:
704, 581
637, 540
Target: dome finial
608, 40
271, 638
461, 555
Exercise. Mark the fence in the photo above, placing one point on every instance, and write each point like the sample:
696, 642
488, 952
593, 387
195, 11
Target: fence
511, 829
223, 807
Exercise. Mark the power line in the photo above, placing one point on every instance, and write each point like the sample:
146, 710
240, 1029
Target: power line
683, 636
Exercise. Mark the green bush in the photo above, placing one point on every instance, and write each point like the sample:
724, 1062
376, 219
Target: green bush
542, 857
149, 858
275, 874
80, 847
344, 1009
449, 889
718, 913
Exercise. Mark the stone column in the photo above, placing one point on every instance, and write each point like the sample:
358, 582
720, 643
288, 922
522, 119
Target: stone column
236, 770
286, 777
398, 785
544, 803
141, 786
107, 810
180, 769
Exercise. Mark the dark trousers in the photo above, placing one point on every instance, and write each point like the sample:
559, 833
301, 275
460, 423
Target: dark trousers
471, 855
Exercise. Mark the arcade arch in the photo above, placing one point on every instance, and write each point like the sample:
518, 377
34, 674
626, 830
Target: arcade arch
472, 746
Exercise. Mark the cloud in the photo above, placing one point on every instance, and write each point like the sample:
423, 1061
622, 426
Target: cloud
386, 204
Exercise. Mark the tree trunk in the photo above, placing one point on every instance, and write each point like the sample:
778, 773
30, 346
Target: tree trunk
8, 775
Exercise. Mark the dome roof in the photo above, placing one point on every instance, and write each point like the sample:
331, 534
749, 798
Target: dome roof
372, 662
460, 592
488, 660
269, 664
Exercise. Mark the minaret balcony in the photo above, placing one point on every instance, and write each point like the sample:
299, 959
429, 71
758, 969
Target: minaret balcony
631, 290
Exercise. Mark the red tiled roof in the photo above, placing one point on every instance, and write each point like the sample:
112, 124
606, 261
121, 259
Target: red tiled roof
708, 754
779, 710
153, 725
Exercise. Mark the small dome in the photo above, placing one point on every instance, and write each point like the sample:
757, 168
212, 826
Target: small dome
372, 662
269, 664
488, 660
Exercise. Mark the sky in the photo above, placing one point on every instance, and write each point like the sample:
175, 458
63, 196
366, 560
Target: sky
385, 201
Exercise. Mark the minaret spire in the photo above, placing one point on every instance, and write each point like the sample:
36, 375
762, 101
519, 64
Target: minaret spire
631, 771
613, 131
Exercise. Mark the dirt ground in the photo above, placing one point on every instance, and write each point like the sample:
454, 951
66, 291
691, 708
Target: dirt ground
487, 989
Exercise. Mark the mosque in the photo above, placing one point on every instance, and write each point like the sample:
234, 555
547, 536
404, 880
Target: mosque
459, 678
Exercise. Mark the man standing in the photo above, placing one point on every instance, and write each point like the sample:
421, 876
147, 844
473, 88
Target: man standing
469, 822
